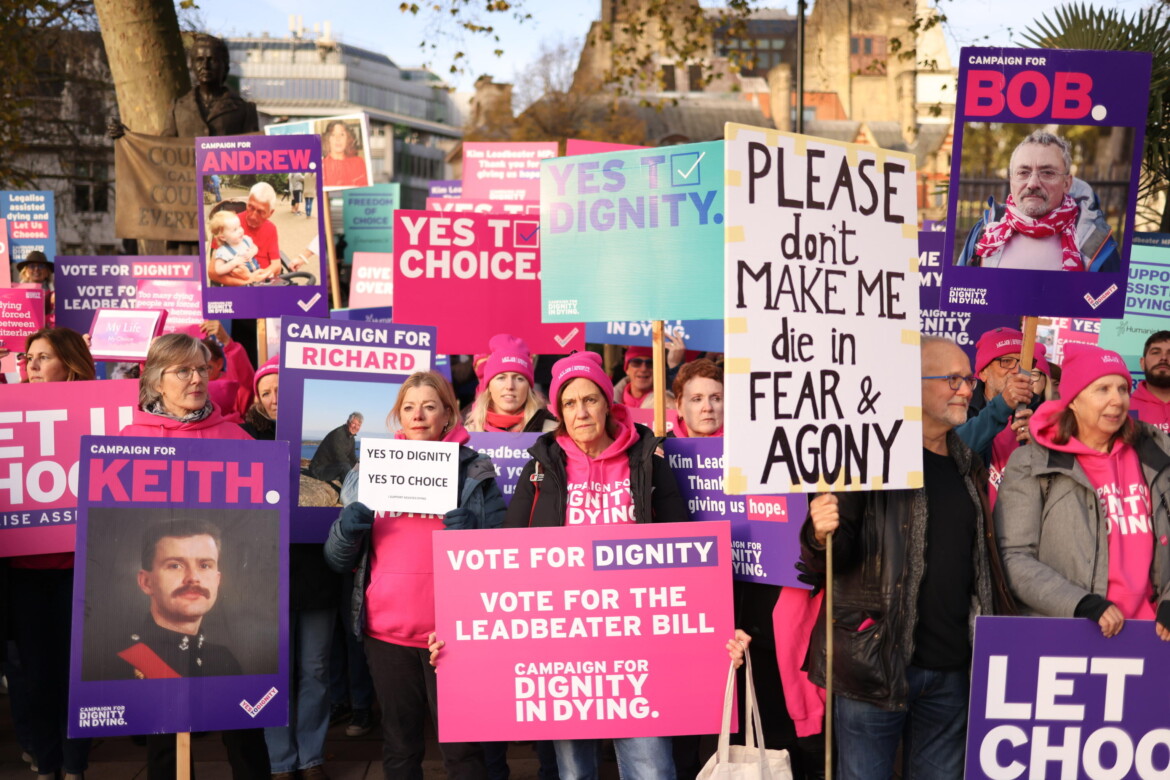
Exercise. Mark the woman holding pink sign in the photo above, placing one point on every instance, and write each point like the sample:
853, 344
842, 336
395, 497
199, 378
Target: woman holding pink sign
393, 605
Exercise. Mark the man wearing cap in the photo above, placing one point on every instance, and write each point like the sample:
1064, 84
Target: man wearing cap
1151, 399
1001, 388
911, 569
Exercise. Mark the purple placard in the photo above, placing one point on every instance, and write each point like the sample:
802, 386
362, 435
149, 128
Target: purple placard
509, 454
290, 278
765, 530
1053, 698
85, 284
1004, 94
962, 327
330, 369
682, 552
445, 188
129, 674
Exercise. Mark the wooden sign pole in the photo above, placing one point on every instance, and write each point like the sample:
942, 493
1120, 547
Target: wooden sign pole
330, 251
659, 357
261, 341
183, 755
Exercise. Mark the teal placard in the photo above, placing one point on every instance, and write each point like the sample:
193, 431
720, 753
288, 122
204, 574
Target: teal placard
633, 235
368, 216
1147, 299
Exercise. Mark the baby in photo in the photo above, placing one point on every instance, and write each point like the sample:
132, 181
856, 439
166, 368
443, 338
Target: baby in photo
235, 252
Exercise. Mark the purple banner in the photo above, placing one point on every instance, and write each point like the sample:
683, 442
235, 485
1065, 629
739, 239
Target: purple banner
509, 454
962, 327
1061, 246
180, 599
334, 373
446, 188
262, 258
1052, 698
85, 284
765, 530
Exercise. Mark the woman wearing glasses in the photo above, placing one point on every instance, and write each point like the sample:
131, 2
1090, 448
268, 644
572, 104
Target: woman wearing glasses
173, 402
1080, 533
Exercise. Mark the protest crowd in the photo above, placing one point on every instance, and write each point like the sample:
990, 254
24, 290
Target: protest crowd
678, 522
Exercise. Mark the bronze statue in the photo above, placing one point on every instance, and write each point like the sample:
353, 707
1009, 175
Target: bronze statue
210, 108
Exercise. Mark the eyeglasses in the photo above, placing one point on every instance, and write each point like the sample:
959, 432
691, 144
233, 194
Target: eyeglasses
183, 374
639, 362
1046, 175
955, 381
1008, 363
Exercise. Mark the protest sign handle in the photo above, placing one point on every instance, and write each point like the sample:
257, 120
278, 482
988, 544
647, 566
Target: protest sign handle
183, 755
659, 379
261, 341
829, 655
1027, 351
330, 251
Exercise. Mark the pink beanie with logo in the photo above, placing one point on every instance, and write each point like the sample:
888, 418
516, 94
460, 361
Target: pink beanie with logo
1084, 364
997, 343
507, 353
272, 366
575, 366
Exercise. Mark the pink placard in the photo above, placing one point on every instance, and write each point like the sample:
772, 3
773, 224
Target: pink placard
463, 205
472, 276
646, 417
22, 311
6, 276
182, 300
41, 426
371, 284
124, 334
504, 171
583, 632
575, 146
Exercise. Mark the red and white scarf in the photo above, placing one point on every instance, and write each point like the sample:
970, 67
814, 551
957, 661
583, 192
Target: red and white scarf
1061, 221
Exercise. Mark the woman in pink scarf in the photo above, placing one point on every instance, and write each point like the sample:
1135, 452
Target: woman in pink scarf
1081, 516
506, 400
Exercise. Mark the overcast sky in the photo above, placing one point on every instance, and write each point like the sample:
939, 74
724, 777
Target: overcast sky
397, 35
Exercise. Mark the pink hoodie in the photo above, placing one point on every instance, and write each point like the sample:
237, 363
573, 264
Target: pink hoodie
1121, 490
1149, 408
599, 488
400, 599
214, 426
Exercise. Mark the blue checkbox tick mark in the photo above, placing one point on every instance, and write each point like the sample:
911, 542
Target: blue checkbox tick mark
685, 170
527, 234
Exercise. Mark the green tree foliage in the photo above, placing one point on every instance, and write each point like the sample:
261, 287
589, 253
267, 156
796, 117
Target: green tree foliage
1081, 26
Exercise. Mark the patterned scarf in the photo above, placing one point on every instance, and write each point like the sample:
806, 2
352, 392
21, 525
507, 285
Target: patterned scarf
1060, 221
195, 416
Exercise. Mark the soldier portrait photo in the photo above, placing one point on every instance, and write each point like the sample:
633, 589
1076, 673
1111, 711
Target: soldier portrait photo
181, 593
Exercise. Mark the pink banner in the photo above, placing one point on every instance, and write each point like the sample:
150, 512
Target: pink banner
583, 632
22, 311
504, 171
6, 276
646, 417
371, 284
462, 205
183, 302
473, 276
40, 440
575, 146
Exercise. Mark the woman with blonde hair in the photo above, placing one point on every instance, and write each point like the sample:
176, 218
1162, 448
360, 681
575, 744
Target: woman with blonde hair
507, 401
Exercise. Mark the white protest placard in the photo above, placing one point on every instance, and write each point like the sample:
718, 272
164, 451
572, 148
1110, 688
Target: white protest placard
417, 477
821, 307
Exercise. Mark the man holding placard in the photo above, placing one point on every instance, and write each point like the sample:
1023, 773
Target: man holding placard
910, 565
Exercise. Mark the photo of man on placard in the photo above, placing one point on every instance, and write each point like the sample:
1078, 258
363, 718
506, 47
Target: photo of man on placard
210, 588
1065, 208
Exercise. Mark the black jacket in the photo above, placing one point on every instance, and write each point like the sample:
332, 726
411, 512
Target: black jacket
878, 564
652, 485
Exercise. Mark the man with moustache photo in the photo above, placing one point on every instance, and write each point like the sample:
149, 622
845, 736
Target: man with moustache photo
181, 576
1051, 220
1151, 400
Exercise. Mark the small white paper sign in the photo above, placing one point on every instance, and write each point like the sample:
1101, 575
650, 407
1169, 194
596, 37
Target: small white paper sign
419, 477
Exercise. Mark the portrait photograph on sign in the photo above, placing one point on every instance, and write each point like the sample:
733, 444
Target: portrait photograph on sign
345, 147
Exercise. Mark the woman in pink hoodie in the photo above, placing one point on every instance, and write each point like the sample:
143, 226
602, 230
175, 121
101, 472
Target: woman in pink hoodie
173, 402
1082, 517
506, 400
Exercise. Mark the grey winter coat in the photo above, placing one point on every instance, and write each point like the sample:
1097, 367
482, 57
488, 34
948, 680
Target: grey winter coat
1053, 532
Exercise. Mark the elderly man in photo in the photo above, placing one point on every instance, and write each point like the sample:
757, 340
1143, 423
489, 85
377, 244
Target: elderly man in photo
181, 576
1051, 221
337, 452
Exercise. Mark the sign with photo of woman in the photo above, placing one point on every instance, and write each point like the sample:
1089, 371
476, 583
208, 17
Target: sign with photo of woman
345, 145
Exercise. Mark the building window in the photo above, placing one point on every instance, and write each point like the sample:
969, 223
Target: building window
695, 78
91, 191
668, 84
